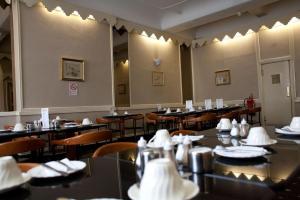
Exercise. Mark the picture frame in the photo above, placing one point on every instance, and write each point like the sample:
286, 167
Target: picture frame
122, 88
158, 78
222, 77
72, 69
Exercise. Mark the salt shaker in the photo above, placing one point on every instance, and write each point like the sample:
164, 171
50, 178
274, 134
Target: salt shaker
141, 147
244, 128
235, 132
169, 151
183, 151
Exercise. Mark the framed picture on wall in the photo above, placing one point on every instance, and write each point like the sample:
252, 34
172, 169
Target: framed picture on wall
158, 78
72, 69
222, 77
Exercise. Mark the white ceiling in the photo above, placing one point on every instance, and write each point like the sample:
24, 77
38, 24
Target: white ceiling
173, 15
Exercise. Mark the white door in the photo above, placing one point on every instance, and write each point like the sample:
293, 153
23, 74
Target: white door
276, 93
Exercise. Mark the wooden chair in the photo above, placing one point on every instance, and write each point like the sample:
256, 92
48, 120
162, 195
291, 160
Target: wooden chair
113, 148
83, 139
20, 146
135, 119
183, 132
24, 167
151, 120
252, 112
244, 114
109, 123
206, 119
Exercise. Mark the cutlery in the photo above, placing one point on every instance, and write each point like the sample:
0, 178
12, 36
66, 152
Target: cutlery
67, 166
55, 170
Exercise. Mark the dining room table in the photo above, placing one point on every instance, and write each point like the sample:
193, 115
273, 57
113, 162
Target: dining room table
121, 117
273, 176
7, 135
183, 114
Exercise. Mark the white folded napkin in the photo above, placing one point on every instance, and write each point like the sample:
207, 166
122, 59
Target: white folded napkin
44, 172
176, 138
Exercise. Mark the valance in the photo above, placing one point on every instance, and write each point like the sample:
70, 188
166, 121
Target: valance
69, 8
254, 26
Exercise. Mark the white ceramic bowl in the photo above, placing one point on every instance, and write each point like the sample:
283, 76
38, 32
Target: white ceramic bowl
10, 174
224, 124
18, 127
295, 124
86, 121
161, 137
258, 136
161, 181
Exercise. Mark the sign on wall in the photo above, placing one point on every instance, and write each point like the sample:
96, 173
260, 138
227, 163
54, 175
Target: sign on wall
73, 88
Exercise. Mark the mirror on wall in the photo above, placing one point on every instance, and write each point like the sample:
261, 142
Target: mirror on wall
121, 67
6, 64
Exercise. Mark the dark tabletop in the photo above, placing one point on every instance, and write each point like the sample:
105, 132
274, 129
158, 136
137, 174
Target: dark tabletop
120, 116
111, 176
198, 112
5, 136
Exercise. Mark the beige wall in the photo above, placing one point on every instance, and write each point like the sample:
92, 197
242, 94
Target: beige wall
46, 38
236, 55
142, 51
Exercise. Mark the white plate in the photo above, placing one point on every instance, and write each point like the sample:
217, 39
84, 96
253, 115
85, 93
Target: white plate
286, 131
87, 124
241, 152
191, 190
26, 178
71, 125
193, 138
271, 142
291, 129
43, 172
152, 145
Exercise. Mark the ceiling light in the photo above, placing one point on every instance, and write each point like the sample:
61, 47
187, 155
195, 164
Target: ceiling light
238, 35
153, 36
250, 31
226, 38
58, 9
76, 13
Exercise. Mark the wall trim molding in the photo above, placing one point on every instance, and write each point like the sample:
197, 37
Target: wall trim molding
276, 59
8, 114
65, 110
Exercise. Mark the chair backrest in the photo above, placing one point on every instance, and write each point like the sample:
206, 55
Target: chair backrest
183, 132
103, 121
85, 138
20, 146
151, 116
113, 148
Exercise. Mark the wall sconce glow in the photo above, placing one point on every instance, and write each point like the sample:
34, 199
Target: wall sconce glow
91, 17
169, 40
58, 9
75, 13
294, 20
278, 24
162, 39
216, 40
263, 27
153, 36
226, 38
250, 31
237, 35
144, 34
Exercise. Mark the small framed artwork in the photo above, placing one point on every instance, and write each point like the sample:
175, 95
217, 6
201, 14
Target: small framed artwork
72, 69
122, 88
158, 78
222, 77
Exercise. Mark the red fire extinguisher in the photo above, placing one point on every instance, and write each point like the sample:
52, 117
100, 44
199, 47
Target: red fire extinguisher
249, 102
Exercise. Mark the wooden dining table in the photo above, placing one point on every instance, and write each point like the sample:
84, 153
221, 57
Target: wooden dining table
274, 176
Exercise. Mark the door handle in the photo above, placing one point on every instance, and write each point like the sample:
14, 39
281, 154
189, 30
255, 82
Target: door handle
288, 92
